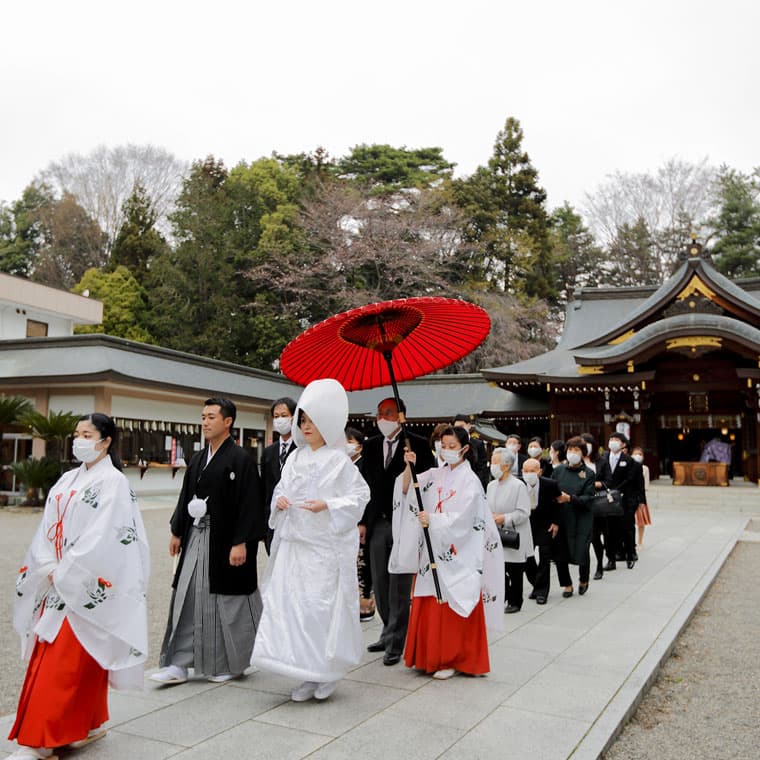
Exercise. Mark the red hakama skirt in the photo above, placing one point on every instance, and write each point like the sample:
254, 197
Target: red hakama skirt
438, 638
642, 515
64, 696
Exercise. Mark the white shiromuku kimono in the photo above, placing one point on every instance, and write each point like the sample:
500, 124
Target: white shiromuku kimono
92, 539
310, 624
464, 537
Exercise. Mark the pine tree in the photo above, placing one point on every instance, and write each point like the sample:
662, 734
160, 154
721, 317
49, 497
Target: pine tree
737, 224
137, 242
506, 215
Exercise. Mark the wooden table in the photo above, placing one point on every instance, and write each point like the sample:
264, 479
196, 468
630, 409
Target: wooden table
700, 474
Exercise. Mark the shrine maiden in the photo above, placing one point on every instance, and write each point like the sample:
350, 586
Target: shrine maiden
447, 638
80, 600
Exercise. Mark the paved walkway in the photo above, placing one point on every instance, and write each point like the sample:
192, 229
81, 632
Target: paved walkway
563, 676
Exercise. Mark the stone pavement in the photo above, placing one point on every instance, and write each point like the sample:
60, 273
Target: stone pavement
564, 677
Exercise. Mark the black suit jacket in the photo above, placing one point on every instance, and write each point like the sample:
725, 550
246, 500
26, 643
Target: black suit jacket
481, 467
270, 471
624, 479
381, 481
547, 511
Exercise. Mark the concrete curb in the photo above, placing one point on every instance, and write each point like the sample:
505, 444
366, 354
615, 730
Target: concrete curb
623, 704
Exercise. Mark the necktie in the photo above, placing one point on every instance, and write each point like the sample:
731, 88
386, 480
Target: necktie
283, 454
533, 498
389, 452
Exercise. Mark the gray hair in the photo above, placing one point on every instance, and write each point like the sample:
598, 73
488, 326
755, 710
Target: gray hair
506, 457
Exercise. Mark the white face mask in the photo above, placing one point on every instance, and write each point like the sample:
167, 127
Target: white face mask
614, 445
638, 458
84, 449
496, 471
512, 447
534, 451
573, 458
451, 456
588, 448
282, 425
387, 427
531, 478
352, 449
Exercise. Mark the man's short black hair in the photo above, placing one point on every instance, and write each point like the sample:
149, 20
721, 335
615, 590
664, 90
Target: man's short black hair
516, 437
226, 407
463, 418
621, 437
286, 401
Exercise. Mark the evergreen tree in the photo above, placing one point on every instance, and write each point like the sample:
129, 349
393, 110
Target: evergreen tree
385, 170
506, 216
137, 242
22, 232
124, 303
576, 255
737, 224
202, 299
632, 258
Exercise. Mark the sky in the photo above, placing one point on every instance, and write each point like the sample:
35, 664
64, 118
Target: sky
598, 86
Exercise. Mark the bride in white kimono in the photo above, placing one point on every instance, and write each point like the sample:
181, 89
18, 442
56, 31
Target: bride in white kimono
310, 624
80, 605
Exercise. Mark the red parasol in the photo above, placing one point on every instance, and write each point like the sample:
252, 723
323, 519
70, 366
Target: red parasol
384, 343
421, 334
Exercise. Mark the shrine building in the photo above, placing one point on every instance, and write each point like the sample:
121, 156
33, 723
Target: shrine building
675, 367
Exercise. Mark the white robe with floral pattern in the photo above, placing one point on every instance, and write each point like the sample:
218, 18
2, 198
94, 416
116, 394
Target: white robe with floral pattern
465, 541
99, 573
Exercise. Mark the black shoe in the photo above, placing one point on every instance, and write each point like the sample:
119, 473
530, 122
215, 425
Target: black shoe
532, 594
599, 574
619, 556
635, 557
630, 563
540, 600
511, 608
378, 646
391, 659
610, 566
582, 588
567, 594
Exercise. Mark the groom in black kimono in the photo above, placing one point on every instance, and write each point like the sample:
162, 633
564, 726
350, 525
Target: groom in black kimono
215, 529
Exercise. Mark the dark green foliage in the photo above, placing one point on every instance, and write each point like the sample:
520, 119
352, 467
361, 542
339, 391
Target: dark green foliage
632, 258
577, 257
137, 242
737, 224
36, 475
383, 169
504, 208
124, 300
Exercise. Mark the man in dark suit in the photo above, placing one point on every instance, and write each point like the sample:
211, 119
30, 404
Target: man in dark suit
383, 463
481, 466
274, 456
617, 470
514, 444
544, 524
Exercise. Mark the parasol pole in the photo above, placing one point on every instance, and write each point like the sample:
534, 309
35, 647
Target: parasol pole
415, 483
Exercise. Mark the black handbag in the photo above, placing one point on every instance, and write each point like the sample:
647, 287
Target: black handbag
510, 538
608, 503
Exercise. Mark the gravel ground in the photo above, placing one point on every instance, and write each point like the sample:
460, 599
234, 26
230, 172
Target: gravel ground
706, 700
16, 530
